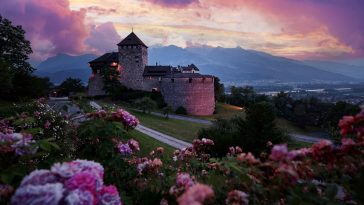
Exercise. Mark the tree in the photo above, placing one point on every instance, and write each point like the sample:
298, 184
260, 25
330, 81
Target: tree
112, 84
252, 133
14, 48
146, 104
219, 90
70, 85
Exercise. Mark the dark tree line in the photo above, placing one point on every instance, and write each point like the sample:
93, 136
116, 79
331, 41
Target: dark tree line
16, 79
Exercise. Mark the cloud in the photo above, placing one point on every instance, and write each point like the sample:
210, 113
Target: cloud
100, 10
342, 19
103, 38
51, 26
173, 3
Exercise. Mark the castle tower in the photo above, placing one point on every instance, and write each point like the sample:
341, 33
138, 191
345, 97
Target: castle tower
133, 57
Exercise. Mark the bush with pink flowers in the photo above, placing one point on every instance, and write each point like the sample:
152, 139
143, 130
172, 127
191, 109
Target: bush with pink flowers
76, 182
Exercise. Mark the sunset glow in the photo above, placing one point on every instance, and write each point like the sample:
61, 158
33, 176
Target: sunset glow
307, 29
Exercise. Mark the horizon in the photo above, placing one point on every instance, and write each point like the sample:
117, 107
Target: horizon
301, 30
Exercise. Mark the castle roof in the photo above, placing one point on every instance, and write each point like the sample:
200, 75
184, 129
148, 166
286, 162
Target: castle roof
107, 58
189, 68
188, 75
158, 71
131, 40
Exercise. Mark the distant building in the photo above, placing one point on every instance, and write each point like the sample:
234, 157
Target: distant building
180, 86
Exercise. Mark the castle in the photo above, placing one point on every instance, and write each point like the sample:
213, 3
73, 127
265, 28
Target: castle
180, 86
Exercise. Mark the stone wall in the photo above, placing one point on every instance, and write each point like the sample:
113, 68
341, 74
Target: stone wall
132, 60
197, 96
150, 83
95, 86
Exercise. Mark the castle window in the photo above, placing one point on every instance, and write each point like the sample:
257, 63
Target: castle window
190, 80
172, 80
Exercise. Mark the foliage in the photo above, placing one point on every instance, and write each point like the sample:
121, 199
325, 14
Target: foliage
181, 110
251, 133
112, 84
320, 174
145, 104
70, 85
29, 86
166, 110
312, 112
244, 96
219, 90
14, 48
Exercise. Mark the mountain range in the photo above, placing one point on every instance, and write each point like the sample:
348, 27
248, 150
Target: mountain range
231, 65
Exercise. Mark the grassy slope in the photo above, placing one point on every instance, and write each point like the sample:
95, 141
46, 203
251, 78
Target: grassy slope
147, 144
179, 129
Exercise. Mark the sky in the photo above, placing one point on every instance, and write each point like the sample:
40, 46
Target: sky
298, 29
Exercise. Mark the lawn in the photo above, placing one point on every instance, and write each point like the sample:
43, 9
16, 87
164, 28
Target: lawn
225, 111
147, 144
179, 129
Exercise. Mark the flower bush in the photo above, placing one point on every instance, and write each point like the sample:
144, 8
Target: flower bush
129, 121
76, 182
324, 173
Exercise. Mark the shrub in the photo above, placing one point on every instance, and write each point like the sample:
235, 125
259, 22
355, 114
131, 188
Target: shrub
181, 110
145, 104
70, 85
251, 133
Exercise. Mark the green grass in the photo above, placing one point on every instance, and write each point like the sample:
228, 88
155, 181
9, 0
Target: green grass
293, 144
179, 129
84, 104
147, 144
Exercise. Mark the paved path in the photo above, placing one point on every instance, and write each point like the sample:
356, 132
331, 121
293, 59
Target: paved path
305, 138
171, 141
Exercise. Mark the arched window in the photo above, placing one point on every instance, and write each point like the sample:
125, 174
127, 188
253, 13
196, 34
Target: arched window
190, 80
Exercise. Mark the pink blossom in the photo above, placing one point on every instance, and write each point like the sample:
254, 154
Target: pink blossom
83, 181
134, 145
298, 153
109, 195
196, 195
184, 180
279, 152
47, 125
243, 157
237, 197
157, 162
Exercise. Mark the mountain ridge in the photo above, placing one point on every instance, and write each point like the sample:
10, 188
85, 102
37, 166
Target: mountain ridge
234, 65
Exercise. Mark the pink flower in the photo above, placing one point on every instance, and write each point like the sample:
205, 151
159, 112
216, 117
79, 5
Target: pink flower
279, 152
47, 125
160, 150
243, 157
157, 162
196, 195
83, 181
184, 180
109, 195
134, 145
237, 197
299, 153
347, 144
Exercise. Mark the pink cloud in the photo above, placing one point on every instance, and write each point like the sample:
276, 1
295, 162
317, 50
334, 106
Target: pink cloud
173, 3
343, 19
50, 22
103, 38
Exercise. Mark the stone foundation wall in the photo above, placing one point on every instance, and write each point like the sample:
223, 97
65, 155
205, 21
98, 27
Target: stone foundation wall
95, 86
197, 96
151, 83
